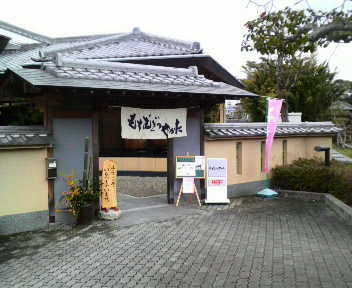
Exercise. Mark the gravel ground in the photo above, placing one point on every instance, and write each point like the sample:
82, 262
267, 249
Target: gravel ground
141, 186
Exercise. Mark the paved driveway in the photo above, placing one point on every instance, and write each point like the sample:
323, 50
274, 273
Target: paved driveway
251, 243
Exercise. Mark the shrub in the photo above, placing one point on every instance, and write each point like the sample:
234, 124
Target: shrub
77, 195
312, 175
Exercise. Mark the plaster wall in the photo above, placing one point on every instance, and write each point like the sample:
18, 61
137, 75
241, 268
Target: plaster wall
312, 142
297, 147
23, 183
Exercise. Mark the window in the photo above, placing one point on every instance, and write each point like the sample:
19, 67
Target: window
284, 152
239, 158
262, 156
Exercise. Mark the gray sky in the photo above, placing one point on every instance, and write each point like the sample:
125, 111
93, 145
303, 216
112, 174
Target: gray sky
217, 25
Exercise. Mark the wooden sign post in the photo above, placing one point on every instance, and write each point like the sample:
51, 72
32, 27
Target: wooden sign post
108, 188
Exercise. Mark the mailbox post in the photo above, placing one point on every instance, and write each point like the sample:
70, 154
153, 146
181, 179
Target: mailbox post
51, 171
326, 149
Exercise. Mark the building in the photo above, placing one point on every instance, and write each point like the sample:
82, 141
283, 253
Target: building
82, 83
86, 84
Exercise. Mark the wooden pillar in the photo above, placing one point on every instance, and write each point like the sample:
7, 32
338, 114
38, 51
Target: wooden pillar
202, 144
95, 135
222, 113
170, 171
48, 123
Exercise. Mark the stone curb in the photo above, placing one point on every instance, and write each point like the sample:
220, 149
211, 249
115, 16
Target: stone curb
340, 208
110, 215
343, 210
303, 195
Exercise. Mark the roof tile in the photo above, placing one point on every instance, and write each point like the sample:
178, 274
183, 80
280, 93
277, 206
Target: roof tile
241, 130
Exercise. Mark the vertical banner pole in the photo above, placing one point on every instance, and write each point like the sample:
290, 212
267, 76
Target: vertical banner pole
266, 120
272, 115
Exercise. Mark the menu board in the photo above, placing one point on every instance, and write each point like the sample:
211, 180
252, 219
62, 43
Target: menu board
190, 166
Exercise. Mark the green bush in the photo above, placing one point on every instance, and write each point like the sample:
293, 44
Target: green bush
311, 175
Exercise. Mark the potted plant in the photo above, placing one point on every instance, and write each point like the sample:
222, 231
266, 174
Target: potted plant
82, 195
79, 199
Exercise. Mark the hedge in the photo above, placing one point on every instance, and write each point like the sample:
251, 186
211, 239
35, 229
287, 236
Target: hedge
311, 175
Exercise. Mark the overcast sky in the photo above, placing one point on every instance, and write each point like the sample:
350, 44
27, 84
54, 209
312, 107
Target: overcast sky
217, 25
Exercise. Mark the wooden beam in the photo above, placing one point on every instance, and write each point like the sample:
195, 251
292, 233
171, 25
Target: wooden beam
72, 114
170, 171
48, 114
95, 136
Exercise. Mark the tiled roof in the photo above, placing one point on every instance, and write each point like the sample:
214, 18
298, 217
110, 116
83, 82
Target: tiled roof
341, 105
132, 44
135, 44
25, 33
24, 136
245, 130
68, 72
64, 67
15, 59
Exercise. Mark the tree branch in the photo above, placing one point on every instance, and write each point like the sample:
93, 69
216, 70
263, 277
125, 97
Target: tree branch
300, 31
324, 30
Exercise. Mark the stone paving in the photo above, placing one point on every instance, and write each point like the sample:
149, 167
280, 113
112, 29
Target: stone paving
340, 157
250, 243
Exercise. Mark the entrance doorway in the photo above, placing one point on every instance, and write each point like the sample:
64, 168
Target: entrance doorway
142, 164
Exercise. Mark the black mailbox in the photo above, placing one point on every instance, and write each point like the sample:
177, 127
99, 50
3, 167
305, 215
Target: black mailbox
51, 168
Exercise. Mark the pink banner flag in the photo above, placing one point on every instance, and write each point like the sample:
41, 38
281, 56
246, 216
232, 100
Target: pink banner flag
274, 108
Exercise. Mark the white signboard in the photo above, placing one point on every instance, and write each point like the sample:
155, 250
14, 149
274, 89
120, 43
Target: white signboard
188, 185
139, 123
217, 167
217, 181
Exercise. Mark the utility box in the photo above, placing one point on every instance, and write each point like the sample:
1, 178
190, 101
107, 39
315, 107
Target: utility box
51, 168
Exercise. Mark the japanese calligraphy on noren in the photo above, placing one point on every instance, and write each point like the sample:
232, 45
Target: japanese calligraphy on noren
108, 188
153, 123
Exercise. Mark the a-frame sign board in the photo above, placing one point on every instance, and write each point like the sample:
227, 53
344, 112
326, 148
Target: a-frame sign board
188, 187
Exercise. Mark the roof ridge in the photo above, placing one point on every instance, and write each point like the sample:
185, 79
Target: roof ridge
264, 124
64, 61
25, 33
169, 41
23, 129
83, 37
52, 51
136, 34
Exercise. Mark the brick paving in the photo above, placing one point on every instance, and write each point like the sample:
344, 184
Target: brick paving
251, 243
